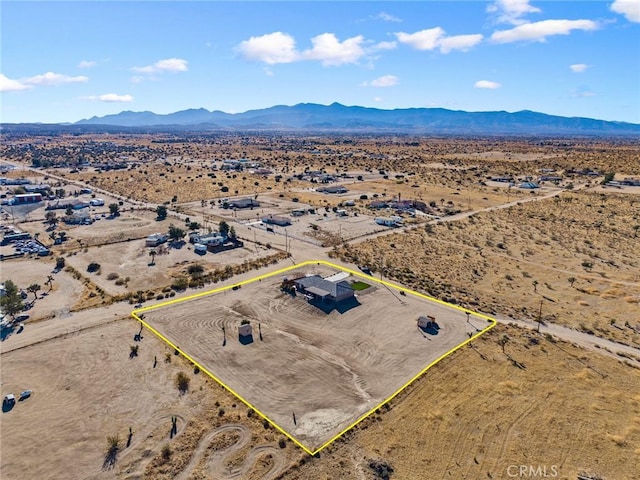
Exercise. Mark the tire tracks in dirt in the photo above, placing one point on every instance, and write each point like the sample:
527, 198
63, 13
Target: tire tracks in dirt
215, 463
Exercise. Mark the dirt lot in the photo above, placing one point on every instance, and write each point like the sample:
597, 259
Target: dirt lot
86, 388
328, 370
475, 414
575, 253
132, 260
65, 290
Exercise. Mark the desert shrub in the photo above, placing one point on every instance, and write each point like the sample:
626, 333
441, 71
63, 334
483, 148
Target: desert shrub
180, 283
60, 262
93, 267
166, 453
112, 276
182, 382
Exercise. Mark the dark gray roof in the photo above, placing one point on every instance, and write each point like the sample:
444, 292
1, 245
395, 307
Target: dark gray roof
244, 202
319, 286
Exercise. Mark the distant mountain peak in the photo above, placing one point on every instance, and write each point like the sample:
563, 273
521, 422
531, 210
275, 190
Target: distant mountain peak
338, 117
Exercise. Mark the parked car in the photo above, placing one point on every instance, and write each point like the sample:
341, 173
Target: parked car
24, 395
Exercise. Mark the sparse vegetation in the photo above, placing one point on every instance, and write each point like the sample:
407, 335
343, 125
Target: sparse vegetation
182, 381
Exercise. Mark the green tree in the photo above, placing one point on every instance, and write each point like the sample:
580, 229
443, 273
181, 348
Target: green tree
11, 301
51, 218
175, 233
114, 209
34, 288
161, 212
224, 228
152, 254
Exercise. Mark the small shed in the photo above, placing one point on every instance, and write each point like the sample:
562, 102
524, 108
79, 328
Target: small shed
426, 322
245, 330
200, 248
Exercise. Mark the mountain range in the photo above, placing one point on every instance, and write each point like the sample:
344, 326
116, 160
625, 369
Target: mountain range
337, 117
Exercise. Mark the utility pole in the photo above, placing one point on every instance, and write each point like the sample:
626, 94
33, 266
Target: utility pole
540, 314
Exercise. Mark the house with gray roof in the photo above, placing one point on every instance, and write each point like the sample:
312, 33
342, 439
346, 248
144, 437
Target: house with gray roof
324, 290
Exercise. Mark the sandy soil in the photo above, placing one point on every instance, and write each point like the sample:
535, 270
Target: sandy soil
85, 388
327, 369
574, 253
64, 293
475, 414
131, 259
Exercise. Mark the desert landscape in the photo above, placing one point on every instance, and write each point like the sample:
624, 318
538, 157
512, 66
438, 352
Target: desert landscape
553, 385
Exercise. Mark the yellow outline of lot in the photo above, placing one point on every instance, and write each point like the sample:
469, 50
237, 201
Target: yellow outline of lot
136, 313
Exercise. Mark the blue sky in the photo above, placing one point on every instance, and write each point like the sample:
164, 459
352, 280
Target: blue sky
64, 61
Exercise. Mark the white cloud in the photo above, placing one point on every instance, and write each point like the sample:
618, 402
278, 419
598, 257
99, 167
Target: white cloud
137, 79
377, 99
51, 78
539, 31
387, 17
331, 52
582, 91
381, 82
459, 42
109, 97
10, 85
161, 66
385, 46
511, 11
422, 40
268, 72
578, 67
272, 48
487, 84
433, 38
629, 8
87, 64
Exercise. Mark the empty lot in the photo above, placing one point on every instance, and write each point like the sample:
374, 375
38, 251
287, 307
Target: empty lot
327, 369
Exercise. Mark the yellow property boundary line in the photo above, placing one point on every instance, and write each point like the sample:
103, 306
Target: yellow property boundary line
136, 315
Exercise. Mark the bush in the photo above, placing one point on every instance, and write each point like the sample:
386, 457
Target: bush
182, 382
195, 269
166, 452
60, 262
180, 283
93, 267
112, 276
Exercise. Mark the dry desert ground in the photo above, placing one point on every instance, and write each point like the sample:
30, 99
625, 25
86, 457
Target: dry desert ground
311, 372
562, 258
